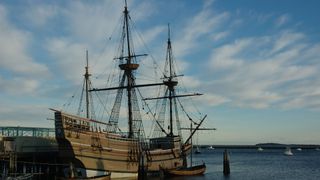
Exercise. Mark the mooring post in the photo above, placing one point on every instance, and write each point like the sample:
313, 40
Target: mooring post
4, 172
142, 172
12, 163
24, 170
226, 164
72, 170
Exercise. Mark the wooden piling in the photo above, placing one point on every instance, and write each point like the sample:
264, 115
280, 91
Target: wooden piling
226, 164
142, 172
12, 163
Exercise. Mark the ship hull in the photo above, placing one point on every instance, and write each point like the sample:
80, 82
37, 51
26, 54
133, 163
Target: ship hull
96, 150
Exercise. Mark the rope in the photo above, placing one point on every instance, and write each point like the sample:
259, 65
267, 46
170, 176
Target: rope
186, 112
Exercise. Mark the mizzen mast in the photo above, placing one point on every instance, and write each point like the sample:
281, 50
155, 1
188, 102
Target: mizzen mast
170, 82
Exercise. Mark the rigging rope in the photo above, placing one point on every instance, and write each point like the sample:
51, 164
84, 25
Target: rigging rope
153, 115
148, 50
81, 99
186, 113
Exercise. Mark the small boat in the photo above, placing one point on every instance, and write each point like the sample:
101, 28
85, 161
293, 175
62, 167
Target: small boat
197, 151
211, 148
317, 149
299, 149
22, 177
103, 177
288, 152
260, 149
73, 173
187, 171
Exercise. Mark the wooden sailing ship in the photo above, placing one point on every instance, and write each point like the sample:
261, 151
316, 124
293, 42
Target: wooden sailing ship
96, 148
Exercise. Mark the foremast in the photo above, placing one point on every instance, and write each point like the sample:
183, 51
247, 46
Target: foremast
89, 112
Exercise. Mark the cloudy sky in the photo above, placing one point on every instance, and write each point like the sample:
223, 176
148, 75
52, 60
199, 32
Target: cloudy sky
257, 62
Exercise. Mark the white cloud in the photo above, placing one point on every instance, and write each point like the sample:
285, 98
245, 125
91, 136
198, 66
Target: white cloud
220, 35
287, 39
143, 41
91, 22
256, 72
40, 15
14, 50
69, 58
19, 85
212, 99
303, 94
190, 82
201, 24
282, 20
208, 3
30, 115
226, 56
142, 11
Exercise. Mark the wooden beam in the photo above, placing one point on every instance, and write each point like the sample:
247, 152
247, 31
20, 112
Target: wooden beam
164, 97
213, 129
195, 130
124, 87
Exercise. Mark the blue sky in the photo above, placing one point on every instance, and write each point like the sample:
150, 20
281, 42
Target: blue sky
257, 62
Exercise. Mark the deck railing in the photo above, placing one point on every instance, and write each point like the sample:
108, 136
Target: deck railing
11, 131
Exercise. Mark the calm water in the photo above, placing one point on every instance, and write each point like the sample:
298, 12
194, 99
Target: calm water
270, 164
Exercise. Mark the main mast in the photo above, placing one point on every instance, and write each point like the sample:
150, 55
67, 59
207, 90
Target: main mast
86, 76
128, 71
127, 63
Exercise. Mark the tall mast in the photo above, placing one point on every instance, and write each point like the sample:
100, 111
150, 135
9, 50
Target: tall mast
128, 72
169, 52
128, 65
170, 83
86, 76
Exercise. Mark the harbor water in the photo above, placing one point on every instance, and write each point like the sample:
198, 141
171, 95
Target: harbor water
250, 164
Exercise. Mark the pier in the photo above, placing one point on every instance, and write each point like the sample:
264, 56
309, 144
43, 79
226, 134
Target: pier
28, 151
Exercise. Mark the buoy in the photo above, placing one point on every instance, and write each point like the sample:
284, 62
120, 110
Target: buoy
226, 165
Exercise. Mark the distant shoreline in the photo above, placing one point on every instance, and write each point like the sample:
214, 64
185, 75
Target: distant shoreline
264, 146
